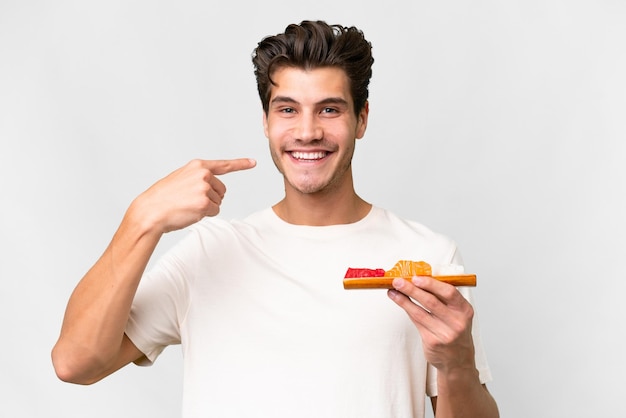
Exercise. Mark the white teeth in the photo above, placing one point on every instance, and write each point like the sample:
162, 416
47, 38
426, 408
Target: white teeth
308, 155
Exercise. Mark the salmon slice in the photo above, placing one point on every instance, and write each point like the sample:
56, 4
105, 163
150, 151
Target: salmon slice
408, 268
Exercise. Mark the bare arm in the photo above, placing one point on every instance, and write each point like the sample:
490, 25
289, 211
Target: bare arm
92, 343
433, 401
444, 321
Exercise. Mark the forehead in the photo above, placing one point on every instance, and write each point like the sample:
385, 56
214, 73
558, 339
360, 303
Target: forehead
311, 85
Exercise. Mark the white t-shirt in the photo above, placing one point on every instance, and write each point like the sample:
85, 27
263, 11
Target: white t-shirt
267, 329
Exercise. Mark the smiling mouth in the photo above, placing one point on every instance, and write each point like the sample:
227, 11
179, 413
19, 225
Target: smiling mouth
308, 156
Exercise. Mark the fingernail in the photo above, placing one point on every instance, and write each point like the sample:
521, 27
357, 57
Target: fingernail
417, 280
398, 283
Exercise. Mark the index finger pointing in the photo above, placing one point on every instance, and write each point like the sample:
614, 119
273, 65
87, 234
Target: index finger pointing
228, 166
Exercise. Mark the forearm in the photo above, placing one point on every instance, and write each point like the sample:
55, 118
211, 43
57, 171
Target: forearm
98, 309
460, 394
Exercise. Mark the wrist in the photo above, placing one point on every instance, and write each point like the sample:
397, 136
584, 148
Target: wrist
457, 378
143, 221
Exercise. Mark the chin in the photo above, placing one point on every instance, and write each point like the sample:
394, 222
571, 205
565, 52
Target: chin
308, 189
313, 188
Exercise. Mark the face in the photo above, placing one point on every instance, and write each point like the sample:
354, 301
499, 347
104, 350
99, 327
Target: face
312, 128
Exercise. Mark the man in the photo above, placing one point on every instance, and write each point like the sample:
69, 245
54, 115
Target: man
258, 305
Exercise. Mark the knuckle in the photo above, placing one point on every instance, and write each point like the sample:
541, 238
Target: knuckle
458, 328
194, 164
198, 166
450, 292
428, 300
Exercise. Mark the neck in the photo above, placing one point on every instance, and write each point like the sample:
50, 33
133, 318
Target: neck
321, 209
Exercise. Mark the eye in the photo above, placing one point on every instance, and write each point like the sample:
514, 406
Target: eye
329, 110
287, 110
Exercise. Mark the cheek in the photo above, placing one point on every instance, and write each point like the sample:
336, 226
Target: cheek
273, 136
274, 128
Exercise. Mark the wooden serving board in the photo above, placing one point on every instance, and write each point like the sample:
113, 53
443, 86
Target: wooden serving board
385, 282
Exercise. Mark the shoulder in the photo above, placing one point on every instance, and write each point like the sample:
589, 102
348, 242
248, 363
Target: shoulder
224, 230
391, 220
415, 234
209, 240
220, 228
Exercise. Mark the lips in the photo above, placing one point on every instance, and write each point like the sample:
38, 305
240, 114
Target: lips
308, 155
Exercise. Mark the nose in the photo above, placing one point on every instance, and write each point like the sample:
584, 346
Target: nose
309, 128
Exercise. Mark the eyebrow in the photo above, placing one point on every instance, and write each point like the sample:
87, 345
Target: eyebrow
328, 100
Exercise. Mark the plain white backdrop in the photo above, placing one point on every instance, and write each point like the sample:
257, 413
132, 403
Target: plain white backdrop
499, 123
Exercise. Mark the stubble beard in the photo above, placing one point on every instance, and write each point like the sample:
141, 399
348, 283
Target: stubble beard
308, 185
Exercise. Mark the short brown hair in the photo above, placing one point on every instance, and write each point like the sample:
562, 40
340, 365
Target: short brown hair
311, 45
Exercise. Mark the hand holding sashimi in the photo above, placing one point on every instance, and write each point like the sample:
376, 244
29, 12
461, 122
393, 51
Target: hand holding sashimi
443, 317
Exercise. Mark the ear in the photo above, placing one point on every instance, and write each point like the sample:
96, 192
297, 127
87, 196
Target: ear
265, 125
361, 123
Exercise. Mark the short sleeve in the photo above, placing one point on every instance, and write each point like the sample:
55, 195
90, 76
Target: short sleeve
160, 305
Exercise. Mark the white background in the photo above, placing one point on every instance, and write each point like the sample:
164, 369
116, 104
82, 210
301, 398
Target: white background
498, 123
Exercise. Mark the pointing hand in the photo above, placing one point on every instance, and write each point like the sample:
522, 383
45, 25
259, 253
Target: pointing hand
186, 195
